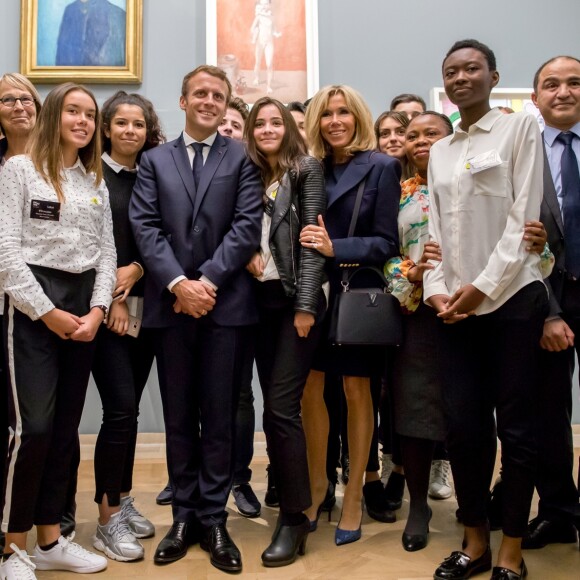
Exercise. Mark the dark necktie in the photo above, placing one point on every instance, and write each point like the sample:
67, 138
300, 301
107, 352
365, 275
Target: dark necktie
198, 161
570, 204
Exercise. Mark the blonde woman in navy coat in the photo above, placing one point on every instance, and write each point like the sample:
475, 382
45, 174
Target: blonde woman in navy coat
339, 126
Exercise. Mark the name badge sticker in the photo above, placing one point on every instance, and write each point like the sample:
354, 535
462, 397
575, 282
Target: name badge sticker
45, 210
483, 161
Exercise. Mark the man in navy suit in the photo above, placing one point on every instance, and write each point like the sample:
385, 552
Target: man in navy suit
557, 96
196, 213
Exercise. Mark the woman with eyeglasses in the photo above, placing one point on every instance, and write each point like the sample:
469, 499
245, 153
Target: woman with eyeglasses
19, 106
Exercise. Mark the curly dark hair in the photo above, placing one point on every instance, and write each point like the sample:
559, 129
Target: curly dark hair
155, 135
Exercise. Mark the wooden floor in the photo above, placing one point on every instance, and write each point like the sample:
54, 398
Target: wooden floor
378, 554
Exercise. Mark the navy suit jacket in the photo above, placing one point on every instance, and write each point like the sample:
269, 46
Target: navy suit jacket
376, 236
213, 231
551, 217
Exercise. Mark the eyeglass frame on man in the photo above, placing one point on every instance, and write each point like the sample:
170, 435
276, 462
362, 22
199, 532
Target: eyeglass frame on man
10, 102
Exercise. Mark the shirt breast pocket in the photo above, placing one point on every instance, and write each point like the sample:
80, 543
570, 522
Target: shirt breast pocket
492, 182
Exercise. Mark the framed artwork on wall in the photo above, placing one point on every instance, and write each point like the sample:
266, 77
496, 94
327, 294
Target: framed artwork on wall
266, 47
515, 99
88, 41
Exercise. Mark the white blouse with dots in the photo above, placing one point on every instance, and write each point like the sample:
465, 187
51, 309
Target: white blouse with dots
75, 239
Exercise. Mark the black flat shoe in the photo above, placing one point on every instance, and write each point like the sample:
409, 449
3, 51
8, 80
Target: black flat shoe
376, 503
175, 543
287, 543
459, 566
415, 542
224, 553
543, 532
165, 496
507, 574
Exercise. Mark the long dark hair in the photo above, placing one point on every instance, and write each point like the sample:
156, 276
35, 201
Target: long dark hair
292, 147
154, 136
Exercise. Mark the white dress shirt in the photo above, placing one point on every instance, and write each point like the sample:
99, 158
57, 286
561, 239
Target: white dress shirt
188, 140
478, 218
80, 240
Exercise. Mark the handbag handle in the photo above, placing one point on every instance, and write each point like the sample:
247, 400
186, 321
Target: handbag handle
352, 226
348, 279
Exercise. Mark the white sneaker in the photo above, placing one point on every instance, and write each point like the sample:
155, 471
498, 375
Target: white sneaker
116, 540
439, 484
387, 467
18, 566
139, 524
67, 555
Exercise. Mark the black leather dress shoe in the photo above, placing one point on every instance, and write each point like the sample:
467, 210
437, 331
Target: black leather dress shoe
165, 496
224, 553
174, 545
460, 566
543, 532
507, 574
287, 543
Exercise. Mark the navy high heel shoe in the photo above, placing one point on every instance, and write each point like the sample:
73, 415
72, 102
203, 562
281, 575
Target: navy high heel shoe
342, 537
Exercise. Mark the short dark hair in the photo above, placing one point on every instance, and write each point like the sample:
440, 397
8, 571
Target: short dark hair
444, 118
476, 45
296, 106
211, 70
544, 65
238, 104
407, 98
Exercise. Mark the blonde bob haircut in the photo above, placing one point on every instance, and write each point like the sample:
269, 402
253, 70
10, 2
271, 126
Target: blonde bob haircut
364, 137
44, 146
19, 81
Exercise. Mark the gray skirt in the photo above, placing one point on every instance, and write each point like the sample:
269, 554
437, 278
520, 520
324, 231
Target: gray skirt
416, 379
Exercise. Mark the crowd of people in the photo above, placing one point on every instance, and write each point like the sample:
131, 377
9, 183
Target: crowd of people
229, 245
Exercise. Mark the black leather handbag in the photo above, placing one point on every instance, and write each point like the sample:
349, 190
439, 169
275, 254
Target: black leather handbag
365, 316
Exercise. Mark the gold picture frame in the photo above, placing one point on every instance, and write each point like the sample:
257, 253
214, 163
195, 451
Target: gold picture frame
50, 33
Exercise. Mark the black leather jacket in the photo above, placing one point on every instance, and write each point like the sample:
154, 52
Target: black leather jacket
300, 199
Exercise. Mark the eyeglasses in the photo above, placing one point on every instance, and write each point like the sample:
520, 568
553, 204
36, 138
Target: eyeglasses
9, 102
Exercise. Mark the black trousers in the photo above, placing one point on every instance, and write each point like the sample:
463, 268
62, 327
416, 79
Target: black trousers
48, 378
555, 482
121, 368
199, 364
491, 362
245, 416
283, 360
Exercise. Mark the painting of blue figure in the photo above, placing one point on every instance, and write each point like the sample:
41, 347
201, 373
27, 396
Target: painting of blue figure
81, 33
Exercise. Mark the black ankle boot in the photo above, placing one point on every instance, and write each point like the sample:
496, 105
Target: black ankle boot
271, 497
287, 543
394, 491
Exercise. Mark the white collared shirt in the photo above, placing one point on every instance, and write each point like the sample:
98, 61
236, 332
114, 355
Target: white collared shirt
188, 140
479, 218
117, 167
80, 240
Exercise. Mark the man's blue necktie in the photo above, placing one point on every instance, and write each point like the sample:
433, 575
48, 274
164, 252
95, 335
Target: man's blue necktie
198, 161
571, 203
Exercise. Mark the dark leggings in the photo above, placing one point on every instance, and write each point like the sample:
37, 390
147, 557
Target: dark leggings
121, 368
